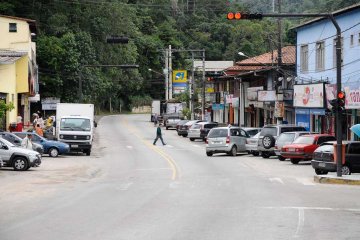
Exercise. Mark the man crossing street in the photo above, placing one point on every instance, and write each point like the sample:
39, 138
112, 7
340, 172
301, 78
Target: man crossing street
158, 135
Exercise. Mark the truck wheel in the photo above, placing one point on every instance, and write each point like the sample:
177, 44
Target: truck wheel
20, 164
209, 154
87, 152
53, 152
192, 139
167, 128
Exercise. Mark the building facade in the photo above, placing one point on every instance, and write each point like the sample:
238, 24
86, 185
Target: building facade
18, 67
316, 71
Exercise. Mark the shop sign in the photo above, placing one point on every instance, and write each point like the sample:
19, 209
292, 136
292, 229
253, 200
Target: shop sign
279, 109
257, 104
352, 100
311, 95
288, 95
252, 93
267, 96
216, 106
317, 111
228, 98
49, 103
303, 118
235, 102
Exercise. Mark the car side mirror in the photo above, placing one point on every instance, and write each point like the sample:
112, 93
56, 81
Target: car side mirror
5, 147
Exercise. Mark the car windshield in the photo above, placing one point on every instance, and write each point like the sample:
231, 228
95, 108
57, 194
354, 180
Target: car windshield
219, 132
325, 148
287, 137
196, 126
268, 131
304, 140
75, 124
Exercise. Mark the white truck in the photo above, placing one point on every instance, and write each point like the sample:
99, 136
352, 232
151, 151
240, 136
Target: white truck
75, 125
155, 109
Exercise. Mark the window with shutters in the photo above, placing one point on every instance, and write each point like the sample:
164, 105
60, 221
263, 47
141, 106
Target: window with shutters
320, 56
304, 58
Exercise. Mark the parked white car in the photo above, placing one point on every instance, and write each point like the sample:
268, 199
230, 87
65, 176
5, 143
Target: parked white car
252, 145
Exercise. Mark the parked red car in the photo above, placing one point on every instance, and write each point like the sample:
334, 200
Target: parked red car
303, 147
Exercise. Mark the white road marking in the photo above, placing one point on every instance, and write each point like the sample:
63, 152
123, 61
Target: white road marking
151, 169
276, 180
169, 146
124, 186
129, 147
301, 221
305, 181
317, 208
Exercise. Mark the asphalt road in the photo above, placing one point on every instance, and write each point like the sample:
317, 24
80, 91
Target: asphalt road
129, 189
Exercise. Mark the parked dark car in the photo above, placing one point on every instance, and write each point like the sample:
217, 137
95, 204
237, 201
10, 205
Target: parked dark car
183, 129
207, 127
17, 141
53, 148
323, 161
179, 124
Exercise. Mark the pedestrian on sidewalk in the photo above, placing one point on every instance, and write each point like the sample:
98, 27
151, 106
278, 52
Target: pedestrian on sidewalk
39, 130
159, 135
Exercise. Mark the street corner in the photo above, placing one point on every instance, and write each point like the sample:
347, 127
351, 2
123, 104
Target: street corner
333, 179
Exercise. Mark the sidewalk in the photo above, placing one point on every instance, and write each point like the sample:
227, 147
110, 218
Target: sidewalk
333, 179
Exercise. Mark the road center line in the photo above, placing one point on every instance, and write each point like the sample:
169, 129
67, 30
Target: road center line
301, 221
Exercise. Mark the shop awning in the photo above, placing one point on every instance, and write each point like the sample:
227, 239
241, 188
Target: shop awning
9, 57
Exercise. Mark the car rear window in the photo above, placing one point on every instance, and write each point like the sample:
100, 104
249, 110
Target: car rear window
304, 140
268, 131
325, 148
218, 133
354, 148
196, 126
287, 137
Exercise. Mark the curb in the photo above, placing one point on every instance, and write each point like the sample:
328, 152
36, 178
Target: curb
336, 180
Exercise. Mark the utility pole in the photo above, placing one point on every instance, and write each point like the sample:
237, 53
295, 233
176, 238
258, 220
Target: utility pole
170, 74
166, 75
203, 87
192, 87
279, 60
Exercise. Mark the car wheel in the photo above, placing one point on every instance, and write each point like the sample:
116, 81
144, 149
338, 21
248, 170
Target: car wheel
179, 134
320, 172
265, 154
281, 158
345, 170
233, 151
53, 152
20, 164
167, 128
255, 153
209, 154
87, 152
294, 161
192, 139
268, 141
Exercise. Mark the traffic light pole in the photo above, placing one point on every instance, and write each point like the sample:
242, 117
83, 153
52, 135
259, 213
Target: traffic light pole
241, 16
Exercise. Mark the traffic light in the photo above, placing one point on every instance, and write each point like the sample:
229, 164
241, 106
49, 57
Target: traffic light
334, 105
117, 39
341, 100
243, 15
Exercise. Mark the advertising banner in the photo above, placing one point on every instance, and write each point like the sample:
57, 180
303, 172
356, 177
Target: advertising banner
303, 118
310, 96
352, 100
216, 106
279, 109
228, 98
235, 102
252, 93
179, 80
267, 96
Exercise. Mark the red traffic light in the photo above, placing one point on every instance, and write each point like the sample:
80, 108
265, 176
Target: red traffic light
240, 16
341, 95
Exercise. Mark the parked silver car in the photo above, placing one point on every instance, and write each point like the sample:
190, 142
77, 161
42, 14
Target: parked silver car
252, 131
252, 145
200, 130
20, 159
17, 141
285, 139
230, 140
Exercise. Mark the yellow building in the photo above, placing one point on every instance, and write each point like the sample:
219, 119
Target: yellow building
18, 68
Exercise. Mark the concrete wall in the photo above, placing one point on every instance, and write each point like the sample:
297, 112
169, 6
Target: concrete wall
143, 109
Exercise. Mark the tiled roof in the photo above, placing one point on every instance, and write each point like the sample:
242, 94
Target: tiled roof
288, 57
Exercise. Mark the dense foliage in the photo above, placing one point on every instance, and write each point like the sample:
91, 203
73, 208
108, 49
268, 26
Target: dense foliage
72, 36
